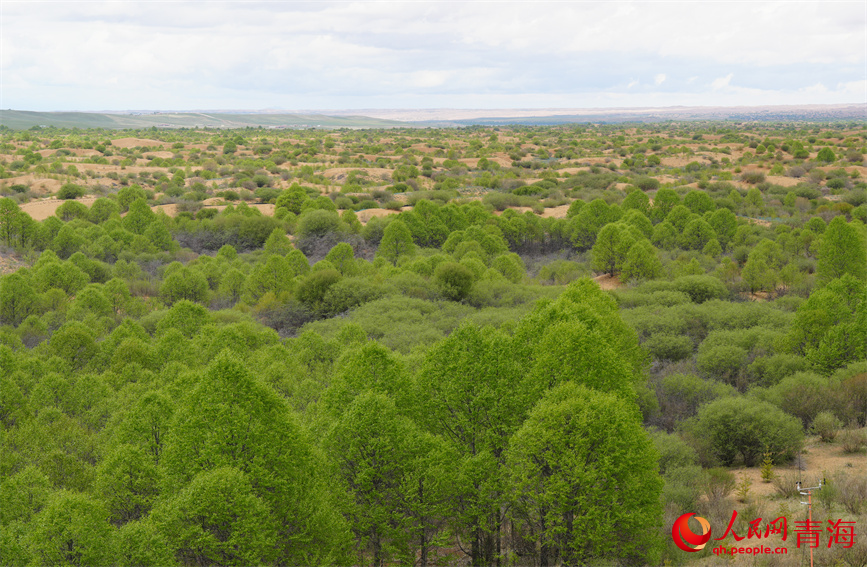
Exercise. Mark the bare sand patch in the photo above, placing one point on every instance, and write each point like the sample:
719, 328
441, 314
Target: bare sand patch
572, 170
340, 173
782, 180
41, 210
607, 282
365, 215
136, 142
556, 212
682, 161
37, 184
160, 154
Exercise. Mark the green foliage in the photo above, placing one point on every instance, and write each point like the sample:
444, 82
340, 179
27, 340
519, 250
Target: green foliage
829, 326
70, 191
732, 427
72, 529
396, 242
843, 250
455, 280
570, 497
230, 422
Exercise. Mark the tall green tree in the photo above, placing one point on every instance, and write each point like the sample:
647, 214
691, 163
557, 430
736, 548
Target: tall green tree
584, 480
843, 250
396, 242
468, 393
230, 419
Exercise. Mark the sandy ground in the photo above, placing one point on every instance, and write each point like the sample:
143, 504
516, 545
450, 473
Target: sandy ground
367, 214
37, 184
339, 173
782, 180
607, 282
556, 212
136, 142
41, 210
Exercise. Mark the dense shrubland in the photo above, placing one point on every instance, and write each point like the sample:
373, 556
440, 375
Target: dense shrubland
223, 386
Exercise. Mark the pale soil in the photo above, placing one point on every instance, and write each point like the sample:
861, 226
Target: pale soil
572, 170
607, 282
136, 142
782, 180
682, 161
556, 212
171, 209
76, 152
159, 154
36, 184
821, 459
340, 173
367, 214
10, 262
41, 210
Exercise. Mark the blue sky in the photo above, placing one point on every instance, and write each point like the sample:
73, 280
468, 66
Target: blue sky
67, 55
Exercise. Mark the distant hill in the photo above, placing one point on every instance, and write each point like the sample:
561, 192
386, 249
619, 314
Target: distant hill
403, 118
23, 119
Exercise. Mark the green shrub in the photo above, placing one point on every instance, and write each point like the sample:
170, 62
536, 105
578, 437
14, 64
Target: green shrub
826, 425
665, 346
70, 191
737, 426
701, 288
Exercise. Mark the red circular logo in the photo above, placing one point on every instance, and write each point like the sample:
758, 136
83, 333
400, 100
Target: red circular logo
685, 538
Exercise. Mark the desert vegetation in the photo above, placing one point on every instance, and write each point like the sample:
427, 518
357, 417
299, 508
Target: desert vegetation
485, 345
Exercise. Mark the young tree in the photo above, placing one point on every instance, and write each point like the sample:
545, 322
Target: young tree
396, 242
642, 262
230, 419
582, 469
843, 250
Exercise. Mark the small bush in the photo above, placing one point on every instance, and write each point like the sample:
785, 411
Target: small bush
853, 440
825, 425
669, 347
70, 191
717, 483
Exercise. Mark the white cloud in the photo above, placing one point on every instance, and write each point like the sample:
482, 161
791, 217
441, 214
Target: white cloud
722, 82
297, 54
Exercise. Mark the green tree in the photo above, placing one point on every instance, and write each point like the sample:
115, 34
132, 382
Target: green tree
466, 391
396, 242
826, 154
230, 419
642, 262
843, 250
581, 469
218, 519
735, 426
139, 217
277, 243
829, 328
128, 482
184, 284
17, 299
455, 280
586, 224
612, 245
292, 199
663, 202
342, 256
381, 458
72, 529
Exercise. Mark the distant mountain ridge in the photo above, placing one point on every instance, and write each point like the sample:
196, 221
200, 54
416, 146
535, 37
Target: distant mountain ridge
444, 117
23, 119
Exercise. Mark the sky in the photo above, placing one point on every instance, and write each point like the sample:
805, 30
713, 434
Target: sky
251, 55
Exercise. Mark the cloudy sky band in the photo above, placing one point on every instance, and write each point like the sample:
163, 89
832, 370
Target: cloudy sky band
296, 55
